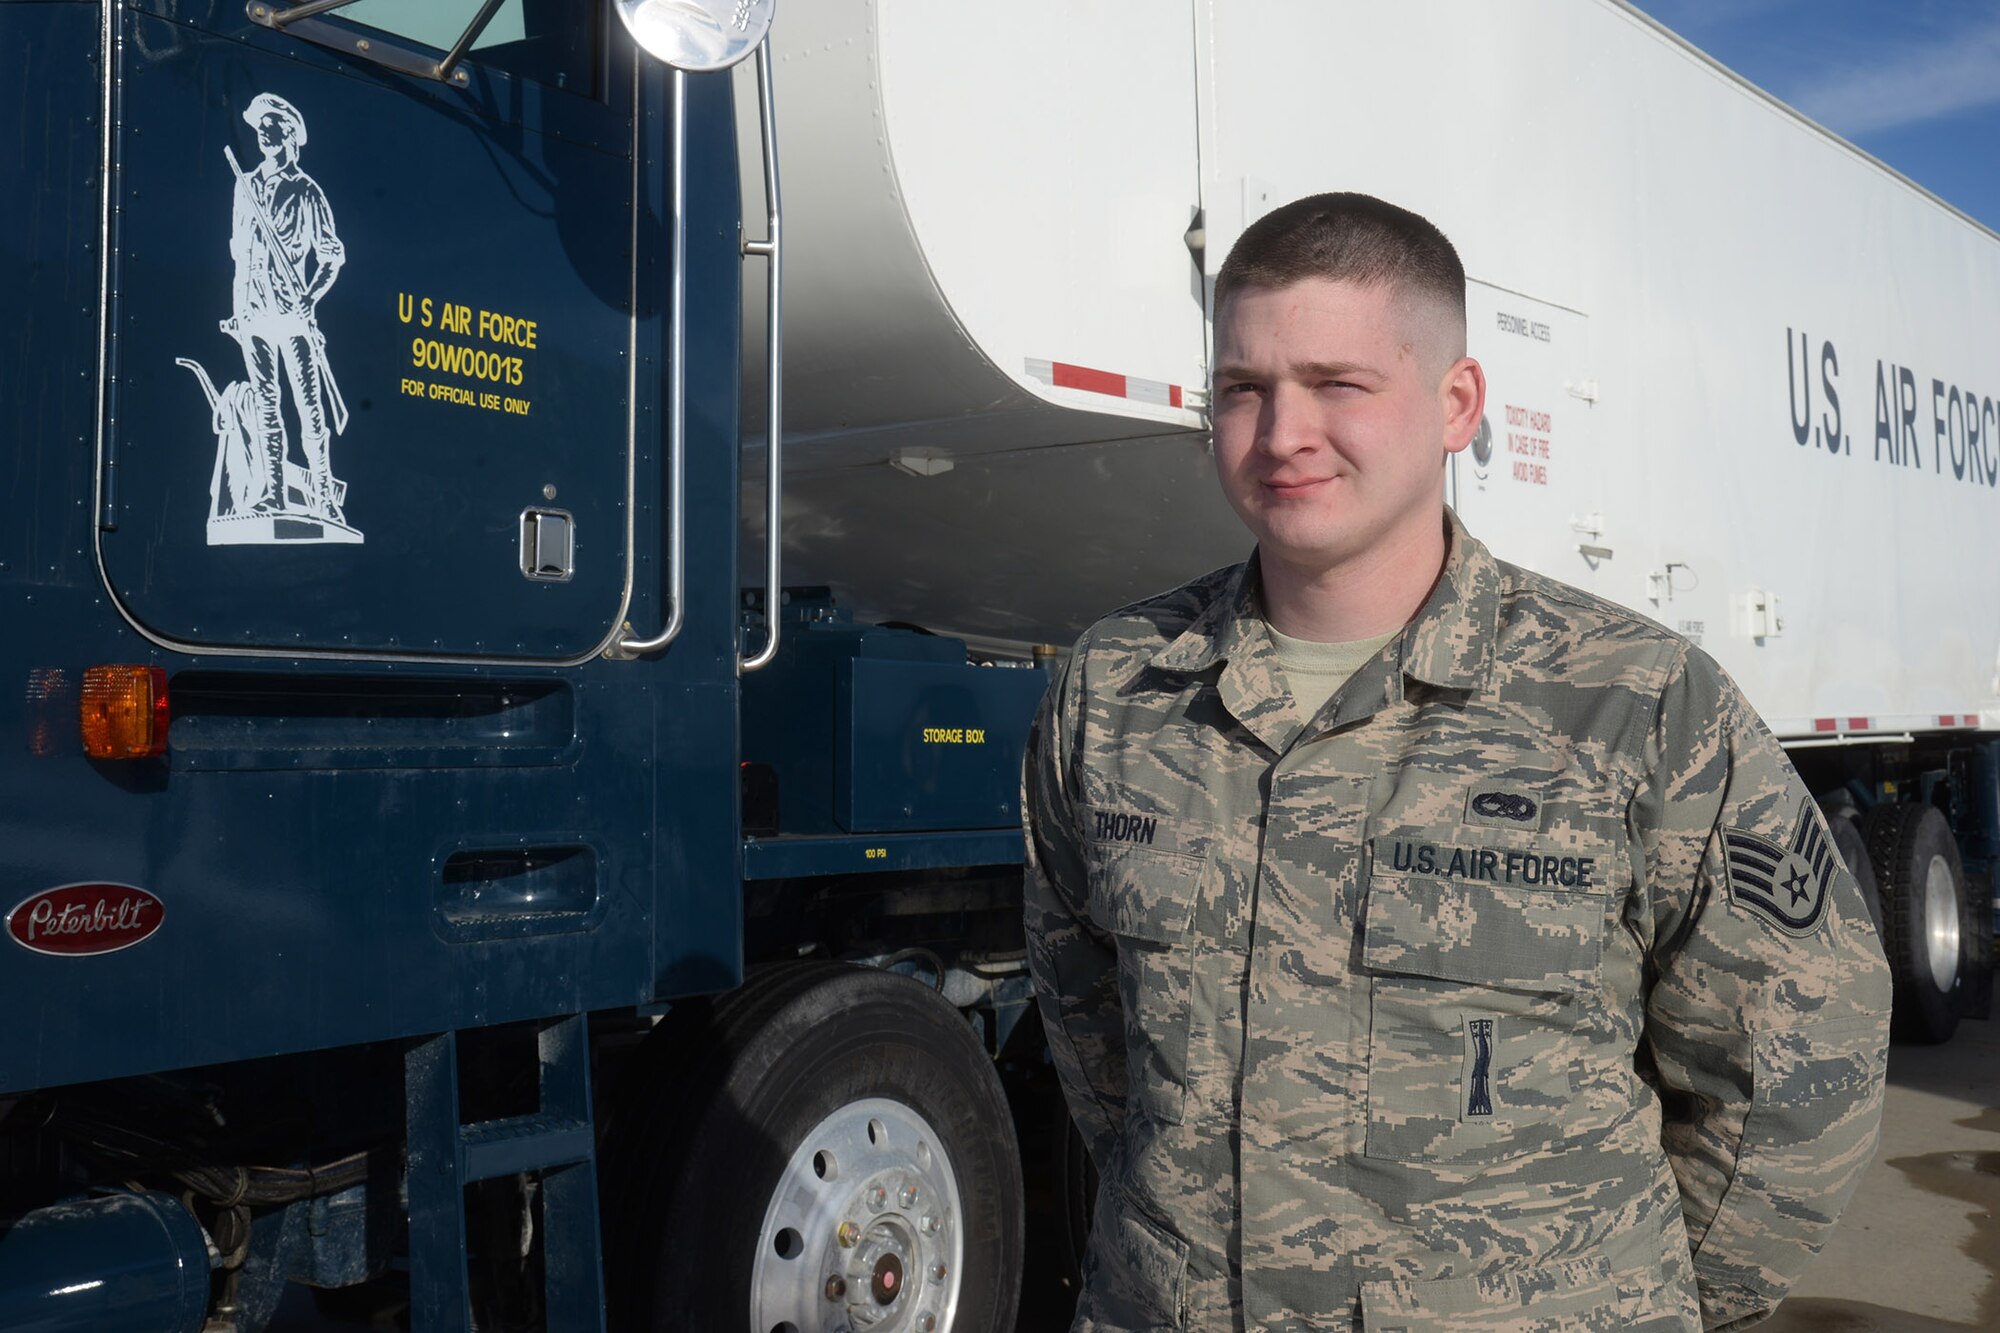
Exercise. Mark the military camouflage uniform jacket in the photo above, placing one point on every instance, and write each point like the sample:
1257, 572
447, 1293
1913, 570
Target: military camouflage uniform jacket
1518, 989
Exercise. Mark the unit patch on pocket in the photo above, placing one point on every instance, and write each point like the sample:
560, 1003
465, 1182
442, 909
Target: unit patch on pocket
1786, 885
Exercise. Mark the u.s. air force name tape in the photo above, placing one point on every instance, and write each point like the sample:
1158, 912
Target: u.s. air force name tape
1486, 863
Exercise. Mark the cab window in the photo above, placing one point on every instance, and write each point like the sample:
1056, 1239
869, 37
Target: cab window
552, 42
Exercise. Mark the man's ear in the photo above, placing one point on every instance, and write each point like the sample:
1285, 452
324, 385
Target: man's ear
1462, 395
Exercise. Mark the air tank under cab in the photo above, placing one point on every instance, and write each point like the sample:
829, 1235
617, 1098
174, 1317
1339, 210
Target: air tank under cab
1739, 377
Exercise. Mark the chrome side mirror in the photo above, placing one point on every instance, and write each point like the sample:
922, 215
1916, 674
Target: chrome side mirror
697, 35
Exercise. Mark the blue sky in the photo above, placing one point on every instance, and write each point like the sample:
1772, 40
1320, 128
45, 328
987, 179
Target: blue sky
1915, 82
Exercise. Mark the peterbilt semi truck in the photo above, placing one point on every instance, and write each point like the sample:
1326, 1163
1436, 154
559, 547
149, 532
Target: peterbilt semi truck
398, 746
494, 828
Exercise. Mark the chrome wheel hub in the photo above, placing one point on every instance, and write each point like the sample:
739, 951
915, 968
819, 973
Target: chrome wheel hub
1941, 923
864, 1232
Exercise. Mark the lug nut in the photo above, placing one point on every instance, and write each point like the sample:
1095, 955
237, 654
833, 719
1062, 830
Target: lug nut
836, 1287
878, 1198
926, 1322
938, 1271
848, 1235
907, 1196
929, 1226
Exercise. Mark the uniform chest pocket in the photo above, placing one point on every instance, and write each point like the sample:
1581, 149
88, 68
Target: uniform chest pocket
1482, 996
1146, 898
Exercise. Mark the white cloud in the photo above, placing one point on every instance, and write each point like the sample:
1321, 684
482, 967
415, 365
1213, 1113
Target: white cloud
1945, 74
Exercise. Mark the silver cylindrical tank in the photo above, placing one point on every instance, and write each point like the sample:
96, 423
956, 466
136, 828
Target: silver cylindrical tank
995, 344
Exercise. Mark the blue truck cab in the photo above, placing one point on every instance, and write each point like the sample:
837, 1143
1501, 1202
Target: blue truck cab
391, 907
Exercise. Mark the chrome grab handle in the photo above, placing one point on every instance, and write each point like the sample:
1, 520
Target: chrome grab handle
676, 390
771, 250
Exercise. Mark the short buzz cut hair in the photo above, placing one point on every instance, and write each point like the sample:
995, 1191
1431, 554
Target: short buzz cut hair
1345, 237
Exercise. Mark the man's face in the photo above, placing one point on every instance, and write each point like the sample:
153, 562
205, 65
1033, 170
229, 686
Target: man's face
1334, 407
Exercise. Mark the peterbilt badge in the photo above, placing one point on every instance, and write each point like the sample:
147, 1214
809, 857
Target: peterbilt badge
75, 920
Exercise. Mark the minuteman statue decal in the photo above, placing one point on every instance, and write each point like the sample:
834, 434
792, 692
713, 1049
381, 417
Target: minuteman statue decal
262, 491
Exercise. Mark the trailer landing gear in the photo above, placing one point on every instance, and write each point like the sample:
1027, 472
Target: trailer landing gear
826, 1149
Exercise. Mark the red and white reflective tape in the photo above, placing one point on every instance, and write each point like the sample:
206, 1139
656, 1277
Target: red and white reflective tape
1830, 725
1062, 375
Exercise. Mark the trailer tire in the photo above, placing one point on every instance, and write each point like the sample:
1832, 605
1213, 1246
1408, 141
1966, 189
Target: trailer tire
1923, 917
1844, 823
757, 1126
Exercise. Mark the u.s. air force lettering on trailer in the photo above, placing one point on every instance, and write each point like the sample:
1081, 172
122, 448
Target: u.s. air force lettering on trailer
1785, 885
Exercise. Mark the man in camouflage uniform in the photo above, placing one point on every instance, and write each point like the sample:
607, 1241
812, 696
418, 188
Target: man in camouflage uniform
1516, 986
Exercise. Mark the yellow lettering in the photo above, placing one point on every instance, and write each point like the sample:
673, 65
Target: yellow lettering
877, 853
509, 329
468, 362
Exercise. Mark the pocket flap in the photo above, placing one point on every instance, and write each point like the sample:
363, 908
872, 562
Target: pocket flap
1506, 936
1144, 895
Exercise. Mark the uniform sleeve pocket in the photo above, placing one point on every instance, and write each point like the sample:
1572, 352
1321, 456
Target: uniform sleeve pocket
1478, 999
1145, 899
1578, 1294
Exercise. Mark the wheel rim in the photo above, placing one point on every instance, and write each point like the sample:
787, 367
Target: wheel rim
1941, 922
864, 1232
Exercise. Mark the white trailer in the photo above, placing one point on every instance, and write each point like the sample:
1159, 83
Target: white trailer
1742, 376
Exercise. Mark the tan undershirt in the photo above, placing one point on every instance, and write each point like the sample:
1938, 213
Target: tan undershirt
1313, 671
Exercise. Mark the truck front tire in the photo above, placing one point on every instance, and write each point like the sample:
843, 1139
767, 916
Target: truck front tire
826, 1147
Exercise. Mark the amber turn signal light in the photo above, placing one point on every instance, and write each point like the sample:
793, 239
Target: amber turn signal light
124, 712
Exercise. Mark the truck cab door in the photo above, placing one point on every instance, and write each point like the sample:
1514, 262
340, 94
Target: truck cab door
369, 334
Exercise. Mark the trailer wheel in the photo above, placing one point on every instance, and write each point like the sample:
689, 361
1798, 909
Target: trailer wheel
1923, 905
1844, 822
826, 1148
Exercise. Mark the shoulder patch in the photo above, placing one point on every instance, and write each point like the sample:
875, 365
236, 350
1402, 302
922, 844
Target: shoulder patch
1786, 885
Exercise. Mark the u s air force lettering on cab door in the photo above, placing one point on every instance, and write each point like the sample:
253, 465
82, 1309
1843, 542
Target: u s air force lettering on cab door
1516, 989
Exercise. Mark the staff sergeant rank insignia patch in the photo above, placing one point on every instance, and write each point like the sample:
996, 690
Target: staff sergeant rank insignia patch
1787, 886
